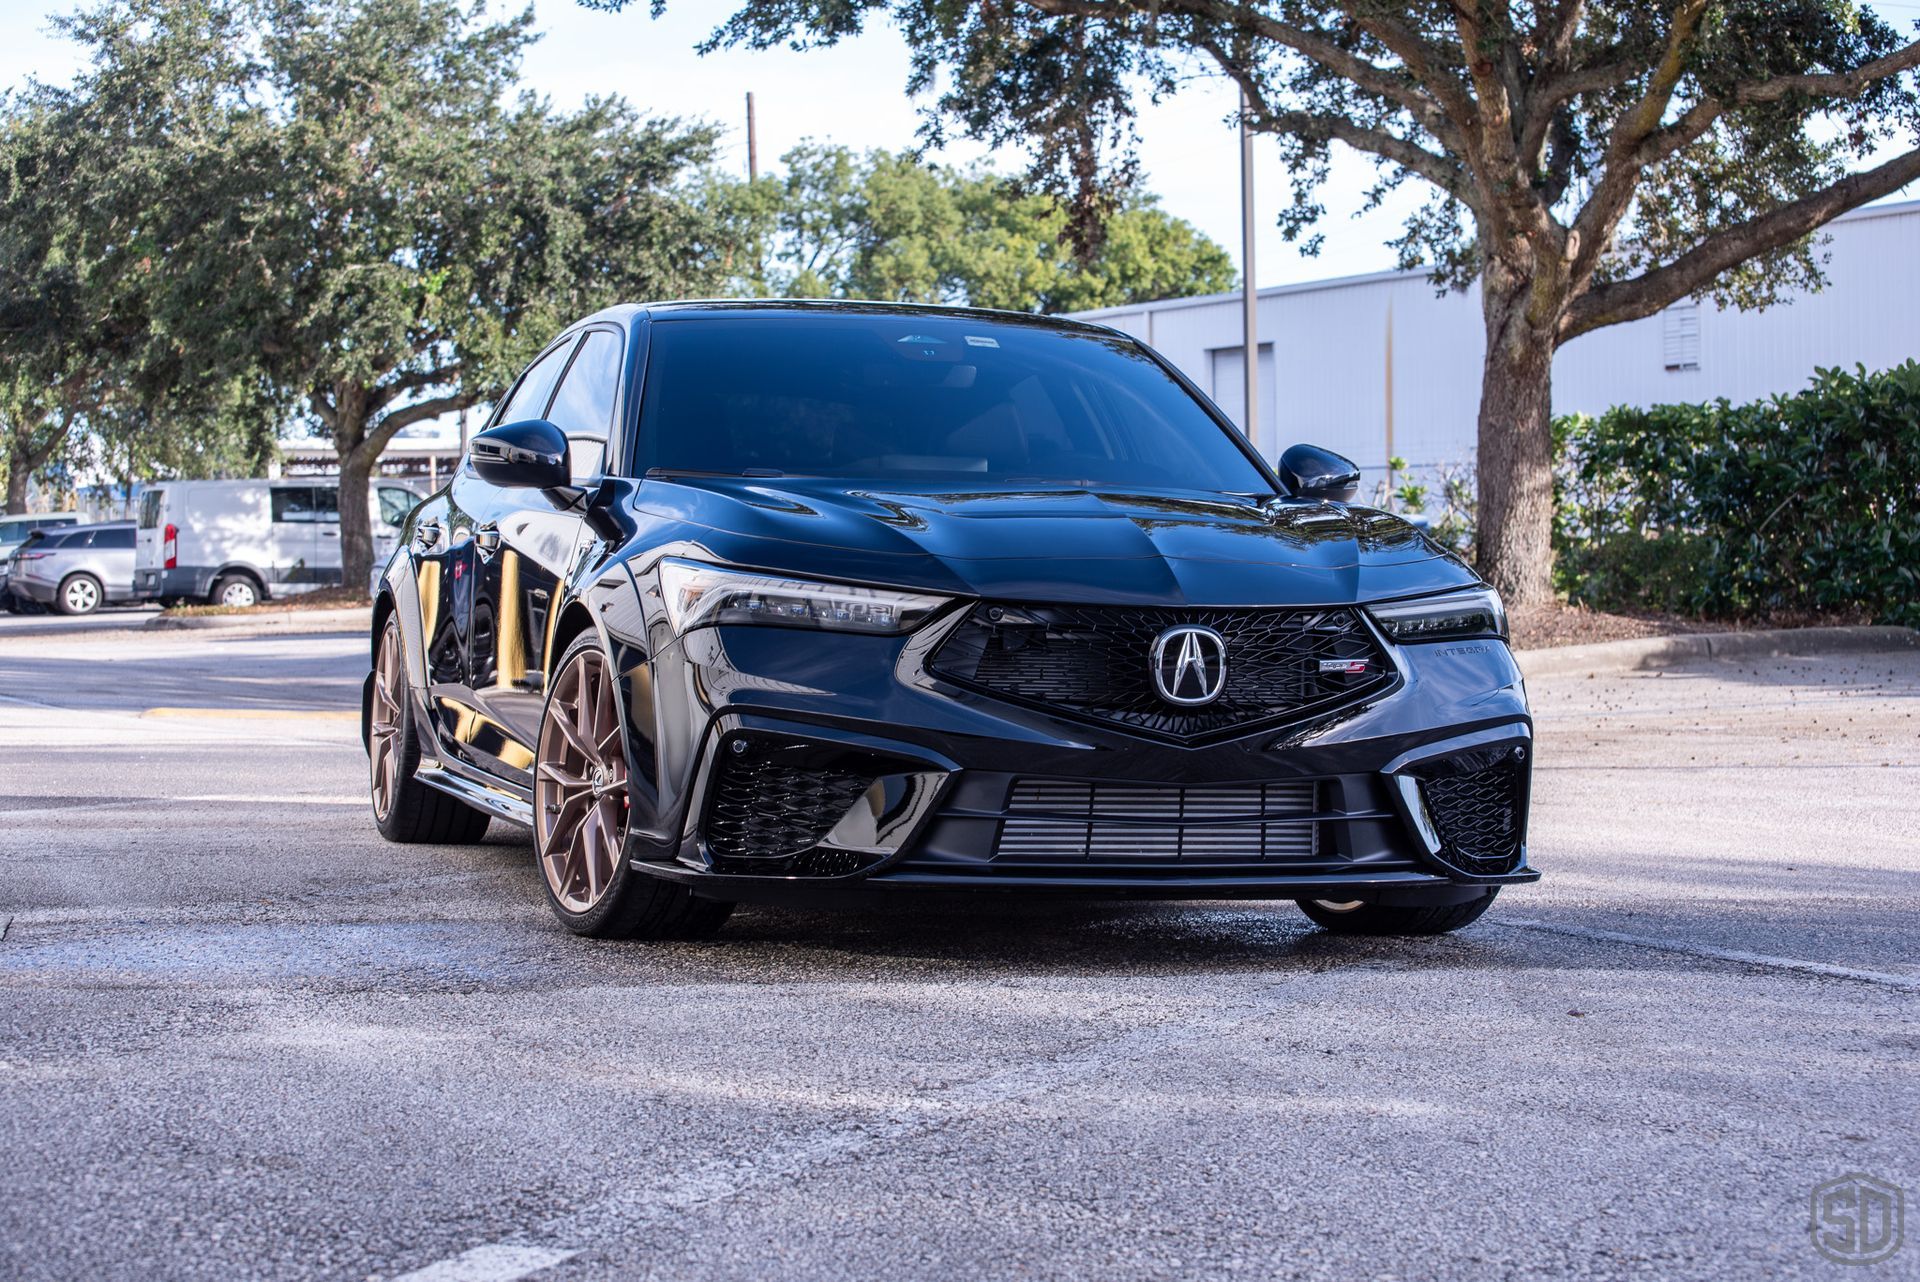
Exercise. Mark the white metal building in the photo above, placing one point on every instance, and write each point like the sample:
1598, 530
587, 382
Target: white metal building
1346, 363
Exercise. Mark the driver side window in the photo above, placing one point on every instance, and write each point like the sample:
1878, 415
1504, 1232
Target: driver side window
583, 408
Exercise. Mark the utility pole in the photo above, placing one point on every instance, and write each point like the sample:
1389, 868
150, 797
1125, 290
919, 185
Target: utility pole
1250, 319
753, 143
1389, 388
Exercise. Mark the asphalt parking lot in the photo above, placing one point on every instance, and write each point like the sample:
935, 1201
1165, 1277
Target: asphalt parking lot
241, 1036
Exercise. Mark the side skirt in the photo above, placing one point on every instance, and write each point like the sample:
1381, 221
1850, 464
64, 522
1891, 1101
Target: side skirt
501, 805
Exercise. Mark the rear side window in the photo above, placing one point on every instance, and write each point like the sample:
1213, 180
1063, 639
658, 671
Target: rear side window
326, 504
529, 399
114, 540
150, 509
293, 503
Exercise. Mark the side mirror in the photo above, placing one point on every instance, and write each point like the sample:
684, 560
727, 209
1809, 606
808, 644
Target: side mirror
1310, 472
530, 454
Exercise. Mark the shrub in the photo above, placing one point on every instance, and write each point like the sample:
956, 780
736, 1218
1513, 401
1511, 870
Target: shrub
1796, 505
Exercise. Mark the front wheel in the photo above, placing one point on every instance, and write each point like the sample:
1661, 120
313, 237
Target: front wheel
1357, 917
580, 811
79, 594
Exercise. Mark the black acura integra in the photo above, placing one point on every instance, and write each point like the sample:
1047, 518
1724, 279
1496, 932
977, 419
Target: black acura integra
750, 601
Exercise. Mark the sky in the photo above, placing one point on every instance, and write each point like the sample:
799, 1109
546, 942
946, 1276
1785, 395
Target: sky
854, 94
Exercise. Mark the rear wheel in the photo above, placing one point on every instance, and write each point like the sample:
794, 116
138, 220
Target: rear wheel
236, 590
79, 594
1356, 917
580, 812
404, 809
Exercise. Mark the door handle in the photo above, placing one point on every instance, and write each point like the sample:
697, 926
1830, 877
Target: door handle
426, 535
487, 539
329, 534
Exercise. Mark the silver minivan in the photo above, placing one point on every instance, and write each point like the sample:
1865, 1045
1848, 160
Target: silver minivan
76, 570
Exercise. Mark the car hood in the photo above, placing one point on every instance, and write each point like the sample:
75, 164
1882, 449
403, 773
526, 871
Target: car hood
1058, 543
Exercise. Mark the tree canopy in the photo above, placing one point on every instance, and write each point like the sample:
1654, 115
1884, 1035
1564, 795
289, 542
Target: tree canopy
838, 224
343, 210
1585, 162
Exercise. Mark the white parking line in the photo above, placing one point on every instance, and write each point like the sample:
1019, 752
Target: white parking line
1910, 983
496, 1263
658, 1202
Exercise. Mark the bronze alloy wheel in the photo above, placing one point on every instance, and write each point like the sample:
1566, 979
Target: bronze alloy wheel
580, 785
383, 743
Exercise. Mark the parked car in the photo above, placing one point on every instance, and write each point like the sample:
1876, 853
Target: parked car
13, 532
766, 601
78, 569
241, 542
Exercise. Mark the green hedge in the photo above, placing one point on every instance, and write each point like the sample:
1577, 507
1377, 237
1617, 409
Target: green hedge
1798, 505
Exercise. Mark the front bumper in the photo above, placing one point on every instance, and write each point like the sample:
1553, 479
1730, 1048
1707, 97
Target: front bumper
895, 779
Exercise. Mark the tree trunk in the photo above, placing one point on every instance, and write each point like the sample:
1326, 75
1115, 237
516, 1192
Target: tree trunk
356, 517
1514, 539
19, 471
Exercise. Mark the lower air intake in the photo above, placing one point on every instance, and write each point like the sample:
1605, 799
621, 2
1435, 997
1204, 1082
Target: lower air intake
1052, 822
762, 808
1478, 802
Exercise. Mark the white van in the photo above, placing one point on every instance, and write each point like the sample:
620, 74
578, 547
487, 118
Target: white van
240, 542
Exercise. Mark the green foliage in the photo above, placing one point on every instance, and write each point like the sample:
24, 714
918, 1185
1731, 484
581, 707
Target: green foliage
1802, 504
329, 210
838, 224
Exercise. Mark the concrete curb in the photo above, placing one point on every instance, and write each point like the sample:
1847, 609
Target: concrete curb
346, 619
1648, 653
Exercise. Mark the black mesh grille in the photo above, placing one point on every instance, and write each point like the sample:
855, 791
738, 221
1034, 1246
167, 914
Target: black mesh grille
1477, 803
1062, 821
1096, 662
763, 808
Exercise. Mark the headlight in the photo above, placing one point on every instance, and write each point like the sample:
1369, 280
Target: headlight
698, 595
1476, 613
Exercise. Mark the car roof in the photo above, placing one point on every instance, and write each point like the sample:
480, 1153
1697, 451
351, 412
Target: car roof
791, 307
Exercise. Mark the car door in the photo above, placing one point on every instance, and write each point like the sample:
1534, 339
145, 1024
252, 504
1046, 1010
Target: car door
113, 550
325, 566
526, 548
293, 516
461, 643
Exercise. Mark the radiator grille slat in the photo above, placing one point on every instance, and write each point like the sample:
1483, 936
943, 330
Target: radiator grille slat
1050, 822
1094, 662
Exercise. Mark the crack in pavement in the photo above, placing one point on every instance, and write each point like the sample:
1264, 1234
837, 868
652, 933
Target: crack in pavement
1887, 979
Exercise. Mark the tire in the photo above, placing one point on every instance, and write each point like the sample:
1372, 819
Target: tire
1357, 918
241, 591
404, 809
580, 807
79, 594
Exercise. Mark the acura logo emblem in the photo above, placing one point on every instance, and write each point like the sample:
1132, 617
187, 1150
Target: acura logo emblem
1190, 665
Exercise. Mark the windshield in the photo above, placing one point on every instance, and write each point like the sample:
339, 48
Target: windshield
925, 398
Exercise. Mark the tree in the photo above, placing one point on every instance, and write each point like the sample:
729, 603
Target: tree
886, 226
1589, 161
357, 218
